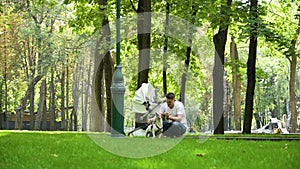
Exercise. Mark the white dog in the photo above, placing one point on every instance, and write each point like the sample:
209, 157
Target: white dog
155, 128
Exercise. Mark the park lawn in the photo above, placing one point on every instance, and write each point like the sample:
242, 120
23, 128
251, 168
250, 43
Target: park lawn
54, 150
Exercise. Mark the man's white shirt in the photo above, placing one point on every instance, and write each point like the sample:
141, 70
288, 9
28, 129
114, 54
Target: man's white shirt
177, 109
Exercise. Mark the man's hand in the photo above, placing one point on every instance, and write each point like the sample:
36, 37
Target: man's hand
165, 115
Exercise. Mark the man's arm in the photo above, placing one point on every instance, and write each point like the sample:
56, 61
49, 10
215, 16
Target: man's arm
177, 118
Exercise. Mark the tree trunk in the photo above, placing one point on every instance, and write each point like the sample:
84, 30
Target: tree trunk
144, 31
1, 113
83, 94
52, 101
108, 65
227, 106
97, 113
108, 72
293, 67
62, 103
31, 107
42, 108
257, 120
5, 113
69, 119
75, 94
18, 124
97, 106
187, 60
165, 64
75, 119
23, 102
251, 68
236, 83
184, 74
294, 113
85, 99
218, 73
44, 99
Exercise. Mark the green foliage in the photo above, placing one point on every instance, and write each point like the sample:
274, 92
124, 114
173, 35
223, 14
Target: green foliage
282, 17
89, 15
77, 20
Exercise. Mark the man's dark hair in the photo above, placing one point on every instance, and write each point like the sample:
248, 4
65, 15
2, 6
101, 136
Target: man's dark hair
170, 96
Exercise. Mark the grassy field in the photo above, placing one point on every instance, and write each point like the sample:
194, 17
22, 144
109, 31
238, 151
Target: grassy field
54, 150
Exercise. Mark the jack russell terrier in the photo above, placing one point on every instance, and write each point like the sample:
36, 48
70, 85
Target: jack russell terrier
155, 128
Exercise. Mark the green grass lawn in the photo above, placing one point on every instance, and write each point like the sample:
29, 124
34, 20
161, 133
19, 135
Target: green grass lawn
54, 150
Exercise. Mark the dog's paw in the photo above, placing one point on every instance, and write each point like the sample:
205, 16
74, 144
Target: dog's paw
149, 134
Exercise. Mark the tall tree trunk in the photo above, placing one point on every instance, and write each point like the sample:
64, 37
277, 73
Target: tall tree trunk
108, 72
69, 119
294, 113
75, 119
18, 123
165, 64
227, 105
97, 113
257, 120
251, 70
23, 102
44, 107
62, 102
218, 73
75, 94
103, 66
97, 106
144, 31
236, 83
293, 67
5, 113
1, 102
84, 96
31, 107
52, 101
108, 65
187, 60
87, 96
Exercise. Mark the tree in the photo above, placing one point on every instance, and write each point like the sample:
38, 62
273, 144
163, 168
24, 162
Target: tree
219, 40
188, 56
143, 34
97, 18
292, 56
236, 84
166, 49
108, 64
286, 42
251, 78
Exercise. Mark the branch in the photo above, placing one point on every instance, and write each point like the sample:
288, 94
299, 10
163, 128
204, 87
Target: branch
133, 6
289, 59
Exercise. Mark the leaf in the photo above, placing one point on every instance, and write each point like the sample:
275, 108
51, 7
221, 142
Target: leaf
200, 154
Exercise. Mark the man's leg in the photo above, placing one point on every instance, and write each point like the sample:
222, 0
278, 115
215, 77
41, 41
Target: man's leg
174, 129
166, 125
180, 129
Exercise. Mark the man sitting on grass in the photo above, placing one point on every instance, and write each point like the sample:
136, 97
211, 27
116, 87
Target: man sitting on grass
173, 114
